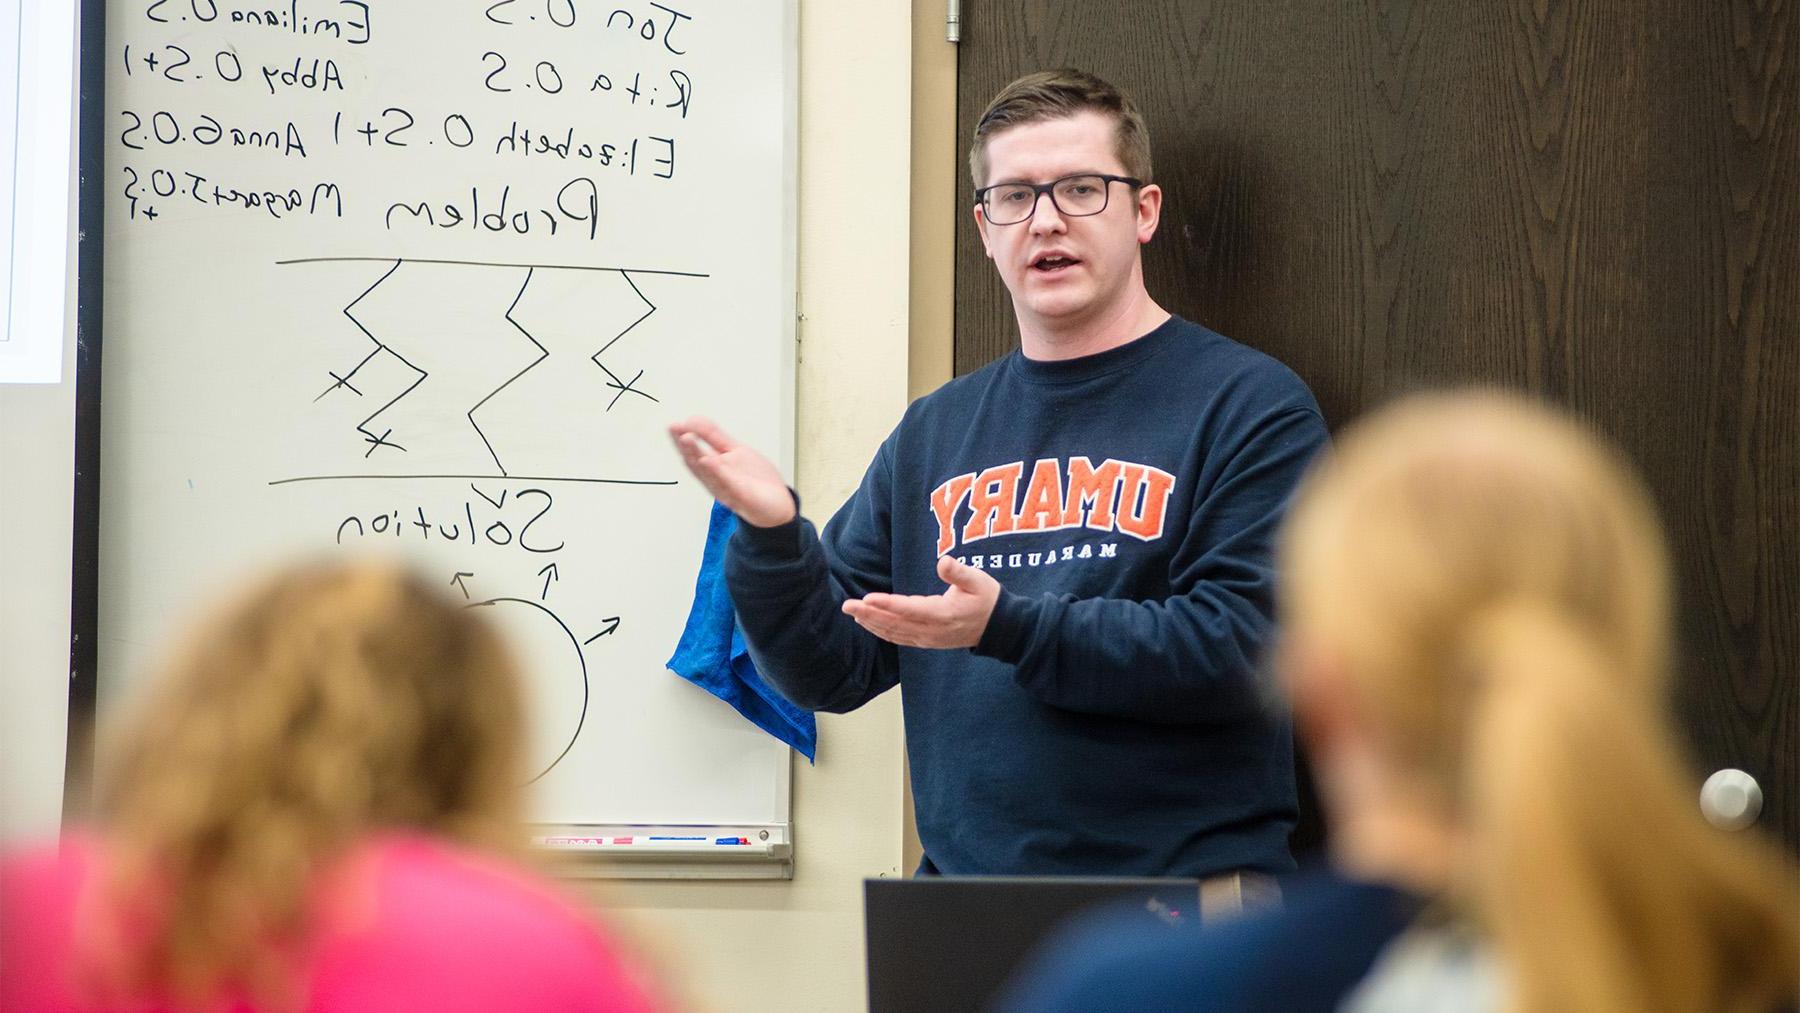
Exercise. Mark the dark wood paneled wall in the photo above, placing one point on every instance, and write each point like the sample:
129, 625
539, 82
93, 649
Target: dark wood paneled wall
1596, 201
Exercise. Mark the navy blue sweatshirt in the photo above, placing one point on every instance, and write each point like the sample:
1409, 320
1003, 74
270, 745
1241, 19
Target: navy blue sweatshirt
1110, 721
1306, 957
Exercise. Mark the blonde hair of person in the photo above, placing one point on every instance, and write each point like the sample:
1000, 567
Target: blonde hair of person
1495, 587
333, 701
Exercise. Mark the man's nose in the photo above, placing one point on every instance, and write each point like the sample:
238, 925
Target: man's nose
1044, 214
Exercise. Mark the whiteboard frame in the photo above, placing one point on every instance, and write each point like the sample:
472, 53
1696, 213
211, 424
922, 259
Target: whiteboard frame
90, 289
772, 857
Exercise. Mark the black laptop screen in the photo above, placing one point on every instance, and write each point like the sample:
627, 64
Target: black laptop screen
946, 944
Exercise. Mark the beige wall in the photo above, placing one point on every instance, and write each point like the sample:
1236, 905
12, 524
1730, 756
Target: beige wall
936, 188
936, 183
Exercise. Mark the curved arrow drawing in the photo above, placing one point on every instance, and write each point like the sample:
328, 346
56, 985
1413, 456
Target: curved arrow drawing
586, 692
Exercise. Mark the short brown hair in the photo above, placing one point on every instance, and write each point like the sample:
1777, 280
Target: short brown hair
1053, 94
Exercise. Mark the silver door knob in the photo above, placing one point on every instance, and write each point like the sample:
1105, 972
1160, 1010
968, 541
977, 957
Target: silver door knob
1731, 799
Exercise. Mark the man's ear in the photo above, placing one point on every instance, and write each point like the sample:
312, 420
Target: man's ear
1149, 211
981, 229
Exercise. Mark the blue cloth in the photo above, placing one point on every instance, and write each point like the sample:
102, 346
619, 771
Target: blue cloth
712, 655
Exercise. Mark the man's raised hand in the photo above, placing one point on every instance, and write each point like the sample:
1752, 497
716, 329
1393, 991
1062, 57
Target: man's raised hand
737, 476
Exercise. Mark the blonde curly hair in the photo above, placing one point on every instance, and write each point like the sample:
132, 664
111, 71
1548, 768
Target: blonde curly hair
332, 701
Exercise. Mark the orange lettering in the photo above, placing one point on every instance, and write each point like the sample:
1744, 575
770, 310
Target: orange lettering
944, 501
1146, 502
992, 500
1043, 509
1090, 486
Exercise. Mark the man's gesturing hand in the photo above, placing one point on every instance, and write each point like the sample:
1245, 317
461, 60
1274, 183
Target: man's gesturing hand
737, 476
956, 618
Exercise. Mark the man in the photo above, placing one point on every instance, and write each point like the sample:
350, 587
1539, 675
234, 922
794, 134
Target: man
1063, 557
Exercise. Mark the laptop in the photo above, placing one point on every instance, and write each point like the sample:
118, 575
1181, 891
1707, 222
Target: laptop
946, 944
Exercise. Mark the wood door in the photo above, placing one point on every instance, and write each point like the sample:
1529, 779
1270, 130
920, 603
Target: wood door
1596, 201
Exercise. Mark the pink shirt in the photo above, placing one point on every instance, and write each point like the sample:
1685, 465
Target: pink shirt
405, 922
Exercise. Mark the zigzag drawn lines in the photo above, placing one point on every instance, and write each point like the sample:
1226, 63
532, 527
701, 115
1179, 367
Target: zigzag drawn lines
543, 353
367, 427
612, 379
344, 381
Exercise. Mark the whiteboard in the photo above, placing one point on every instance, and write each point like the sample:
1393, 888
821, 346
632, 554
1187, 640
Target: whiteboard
430, 279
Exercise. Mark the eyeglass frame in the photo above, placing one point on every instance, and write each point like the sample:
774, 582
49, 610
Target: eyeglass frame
1039, 190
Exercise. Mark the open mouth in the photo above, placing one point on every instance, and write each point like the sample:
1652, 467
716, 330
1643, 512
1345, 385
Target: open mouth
1053, 263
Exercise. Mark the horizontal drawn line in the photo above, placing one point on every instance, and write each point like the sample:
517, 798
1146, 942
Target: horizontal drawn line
486, 263
483, 478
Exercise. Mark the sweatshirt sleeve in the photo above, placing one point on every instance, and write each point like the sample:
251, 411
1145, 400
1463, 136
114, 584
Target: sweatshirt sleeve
1191, 657
788, 592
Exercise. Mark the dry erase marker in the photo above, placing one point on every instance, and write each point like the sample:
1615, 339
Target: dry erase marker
641, 840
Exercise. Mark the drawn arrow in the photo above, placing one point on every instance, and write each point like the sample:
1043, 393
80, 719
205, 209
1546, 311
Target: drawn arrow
549, 574
614, 624
458, 582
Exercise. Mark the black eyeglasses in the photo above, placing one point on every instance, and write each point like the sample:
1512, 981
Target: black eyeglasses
1074, 196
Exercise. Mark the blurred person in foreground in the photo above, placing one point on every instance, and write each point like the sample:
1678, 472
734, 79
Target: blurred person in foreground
1476, 605
316, 809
